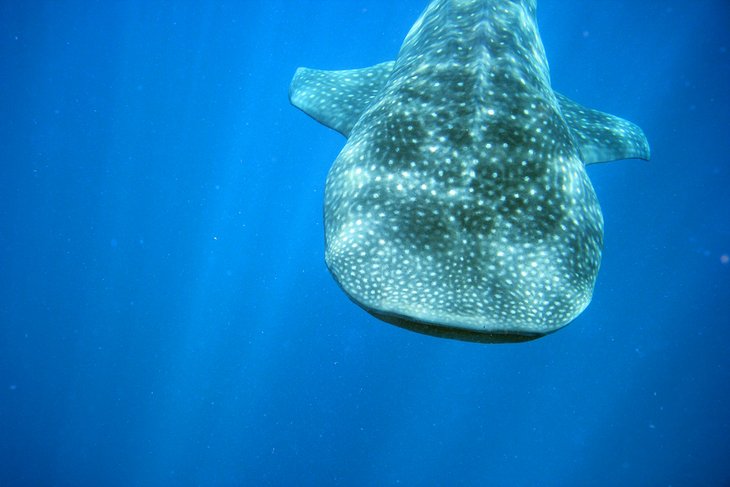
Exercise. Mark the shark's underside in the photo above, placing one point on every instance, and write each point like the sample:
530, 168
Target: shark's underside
460, 205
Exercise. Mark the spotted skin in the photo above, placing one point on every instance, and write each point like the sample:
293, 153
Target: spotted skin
460, 206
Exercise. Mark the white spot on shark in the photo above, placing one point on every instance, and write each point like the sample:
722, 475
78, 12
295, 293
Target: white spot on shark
460, 205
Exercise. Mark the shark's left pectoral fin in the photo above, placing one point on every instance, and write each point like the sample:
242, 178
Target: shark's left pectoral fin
337, 99
601, 137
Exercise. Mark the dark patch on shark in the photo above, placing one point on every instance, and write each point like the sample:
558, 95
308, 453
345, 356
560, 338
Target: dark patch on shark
460, 206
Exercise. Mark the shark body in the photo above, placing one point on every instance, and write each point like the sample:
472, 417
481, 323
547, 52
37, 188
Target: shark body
460, 205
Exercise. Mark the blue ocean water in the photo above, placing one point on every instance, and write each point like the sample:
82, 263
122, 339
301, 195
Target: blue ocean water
166, 317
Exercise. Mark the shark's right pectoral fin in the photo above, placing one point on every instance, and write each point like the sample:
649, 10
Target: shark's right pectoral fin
337, 99
601, 137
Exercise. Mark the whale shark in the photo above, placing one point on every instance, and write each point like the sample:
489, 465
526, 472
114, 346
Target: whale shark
460, 205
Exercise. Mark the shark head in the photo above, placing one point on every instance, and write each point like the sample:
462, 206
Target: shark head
460, 205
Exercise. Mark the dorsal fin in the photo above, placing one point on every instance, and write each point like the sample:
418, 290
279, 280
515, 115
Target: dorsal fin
337, 99
601, 137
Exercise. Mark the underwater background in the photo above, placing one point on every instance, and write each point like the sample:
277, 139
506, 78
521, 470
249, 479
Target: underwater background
166, 316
